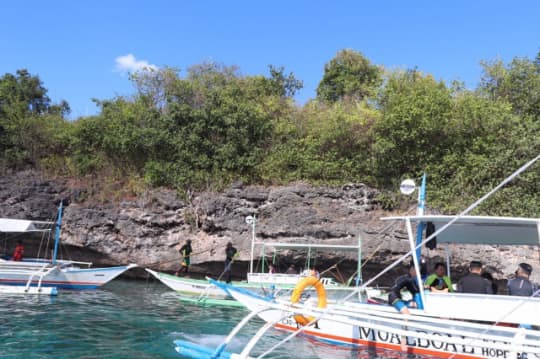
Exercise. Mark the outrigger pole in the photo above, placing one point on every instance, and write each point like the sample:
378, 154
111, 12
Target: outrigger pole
57, 233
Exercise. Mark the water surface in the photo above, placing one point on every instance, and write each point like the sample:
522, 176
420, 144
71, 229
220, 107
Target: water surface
130, 319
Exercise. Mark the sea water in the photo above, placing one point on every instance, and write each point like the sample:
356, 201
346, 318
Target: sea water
131, 319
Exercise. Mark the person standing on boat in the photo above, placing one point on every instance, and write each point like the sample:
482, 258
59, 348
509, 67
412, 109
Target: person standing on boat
439, 281
230, 254
407, 281
272, 269
474, 282
19, 251
185, 251
520, 285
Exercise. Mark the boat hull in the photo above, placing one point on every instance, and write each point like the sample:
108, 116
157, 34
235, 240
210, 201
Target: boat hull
203, 292
66, 278
381, 327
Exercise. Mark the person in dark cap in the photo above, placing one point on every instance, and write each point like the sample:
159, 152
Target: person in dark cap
474, 282
520, 285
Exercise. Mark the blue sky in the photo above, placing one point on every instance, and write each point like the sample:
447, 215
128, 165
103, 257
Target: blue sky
76, 47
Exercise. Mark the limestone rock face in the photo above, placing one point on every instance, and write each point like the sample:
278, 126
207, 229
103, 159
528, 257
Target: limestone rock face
150, 230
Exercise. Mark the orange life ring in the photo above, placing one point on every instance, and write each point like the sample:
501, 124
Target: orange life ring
297, 292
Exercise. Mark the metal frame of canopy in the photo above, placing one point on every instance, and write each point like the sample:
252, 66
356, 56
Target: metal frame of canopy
8, 225
252, 220
309, 247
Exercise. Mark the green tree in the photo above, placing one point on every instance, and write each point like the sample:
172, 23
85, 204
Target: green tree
487, 143
284, 85
411, 133
518, 83
25, 110
323, 144
349, 75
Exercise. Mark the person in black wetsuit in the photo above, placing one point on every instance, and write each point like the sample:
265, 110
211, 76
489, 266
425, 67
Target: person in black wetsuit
474, 282
230, 254
408, 281
521, 285
494, 285
185, 252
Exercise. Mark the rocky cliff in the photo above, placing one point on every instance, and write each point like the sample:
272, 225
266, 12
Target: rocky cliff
149, 230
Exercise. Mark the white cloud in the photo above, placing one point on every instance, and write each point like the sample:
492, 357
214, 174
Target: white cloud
128, 63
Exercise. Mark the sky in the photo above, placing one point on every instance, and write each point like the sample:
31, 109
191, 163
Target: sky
85, 49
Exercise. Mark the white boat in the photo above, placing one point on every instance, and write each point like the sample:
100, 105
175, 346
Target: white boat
445, 325
268, 284
41, 272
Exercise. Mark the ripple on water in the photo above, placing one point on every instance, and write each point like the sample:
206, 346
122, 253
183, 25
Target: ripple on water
129, 319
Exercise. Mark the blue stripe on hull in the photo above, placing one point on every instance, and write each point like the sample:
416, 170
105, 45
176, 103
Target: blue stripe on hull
63, 285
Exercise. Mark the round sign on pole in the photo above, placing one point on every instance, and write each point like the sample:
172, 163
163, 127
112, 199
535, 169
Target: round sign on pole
407, 186
249, 219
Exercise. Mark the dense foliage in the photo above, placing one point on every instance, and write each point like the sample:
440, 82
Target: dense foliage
211, 126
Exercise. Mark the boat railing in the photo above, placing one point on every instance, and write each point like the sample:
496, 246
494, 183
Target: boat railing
36, 263
65, 263
41, 273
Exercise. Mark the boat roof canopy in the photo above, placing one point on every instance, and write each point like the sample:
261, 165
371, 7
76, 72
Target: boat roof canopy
482, 229
308, 246
22, 225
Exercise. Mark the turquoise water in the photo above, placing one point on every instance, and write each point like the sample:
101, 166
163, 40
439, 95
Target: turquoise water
129, 319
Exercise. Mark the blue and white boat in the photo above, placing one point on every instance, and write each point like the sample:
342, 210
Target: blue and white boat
35, 274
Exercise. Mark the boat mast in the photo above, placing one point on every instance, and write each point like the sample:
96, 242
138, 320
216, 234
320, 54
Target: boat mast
419, 229
250, 220
408, 187
420, 212
359, 263
57, 233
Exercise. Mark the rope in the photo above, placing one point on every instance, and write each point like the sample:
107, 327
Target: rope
159, 263
370, 257
204, 295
